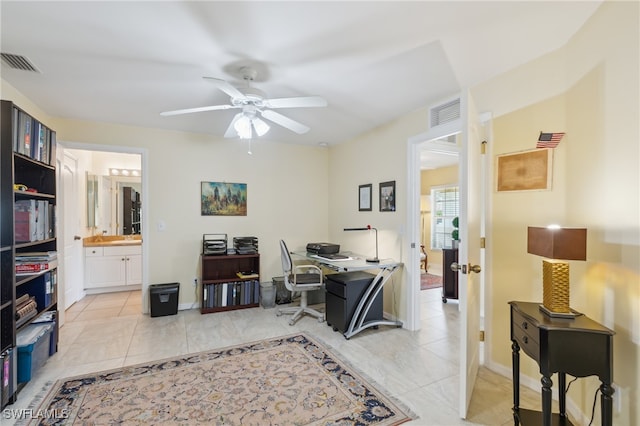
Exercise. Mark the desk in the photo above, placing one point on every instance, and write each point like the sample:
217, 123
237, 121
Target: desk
357, 262
580, 347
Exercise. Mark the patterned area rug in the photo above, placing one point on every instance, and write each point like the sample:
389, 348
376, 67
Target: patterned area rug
291, 380
428, 281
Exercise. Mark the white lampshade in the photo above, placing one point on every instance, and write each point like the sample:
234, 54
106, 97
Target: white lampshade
243, 127
260, 126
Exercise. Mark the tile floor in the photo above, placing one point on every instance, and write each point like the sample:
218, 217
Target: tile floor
418, 368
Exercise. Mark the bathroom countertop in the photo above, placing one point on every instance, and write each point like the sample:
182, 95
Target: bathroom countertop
111, 240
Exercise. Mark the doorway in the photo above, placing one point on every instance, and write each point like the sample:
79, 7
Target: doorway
461, 117
91, 200
438, 172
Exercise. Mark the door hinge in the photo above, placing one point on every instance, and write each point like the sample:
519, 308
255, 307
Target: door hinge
483, 242
482, 335
483, 147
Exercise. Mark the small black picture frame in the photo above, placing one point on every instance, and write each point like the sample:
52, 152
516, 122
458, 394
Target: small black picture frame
365, 197
388, 196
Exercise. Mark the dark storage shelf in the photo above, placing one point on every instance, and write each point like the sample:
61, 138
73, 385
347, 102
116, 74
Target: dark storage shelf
31, 168
220, 281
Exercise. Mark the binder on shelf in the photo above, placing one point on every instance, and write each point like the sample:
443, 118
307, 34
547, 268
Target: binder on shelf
15, 129
42, 210
225, 296
52, 148
24, 133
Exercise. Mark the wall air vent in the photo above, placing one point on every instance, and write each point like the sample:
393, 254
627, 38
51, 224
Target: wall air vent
444, 113
18, 62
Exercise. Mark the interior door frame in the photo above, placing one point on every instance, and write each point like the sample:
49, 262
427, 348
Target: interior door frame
144, 194
415, 144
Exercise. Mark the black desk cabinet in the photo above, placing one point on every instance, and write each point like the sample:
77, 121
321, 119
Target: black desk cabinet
449, 277
344, 291
579, 347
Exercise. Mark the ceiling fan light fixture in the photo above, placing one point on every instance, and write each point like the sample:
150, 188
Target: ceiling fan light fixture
243, 127
260, 126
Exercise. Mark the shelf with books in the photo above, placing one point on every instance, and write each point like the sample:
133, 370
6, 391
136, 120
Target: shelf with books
28, 190
229, 282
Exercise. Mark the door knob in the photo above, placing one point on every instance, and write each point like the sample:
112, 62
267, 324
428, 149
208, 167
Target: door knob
77, 237
455, 267
475, 268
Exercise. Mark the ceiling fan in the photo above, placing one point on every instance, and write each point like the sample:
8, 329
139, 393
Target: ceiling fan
254, 105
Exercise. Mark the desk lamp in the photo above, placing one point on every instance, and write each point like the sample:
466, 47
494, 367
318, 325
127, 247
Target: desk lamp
558, 245
368, 228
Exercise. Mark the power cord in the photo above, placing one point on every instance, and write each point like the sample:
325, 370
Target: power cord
569, 384
595, 399
593, 408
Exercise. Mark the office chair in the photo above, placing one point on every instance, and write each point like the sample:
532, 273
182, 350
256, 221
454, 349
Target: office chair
300, 278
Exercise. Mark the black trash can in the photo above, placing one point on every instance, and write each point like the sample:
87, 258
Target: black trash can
164, 299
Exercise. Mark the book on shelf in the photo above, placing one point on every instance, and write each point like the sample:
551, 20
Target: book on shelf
36, 255
29, 268
24, 133
15, 127
249, 274
49, 287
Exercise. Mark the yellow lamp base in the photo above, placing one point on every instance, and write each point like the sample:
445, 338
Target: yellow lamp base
555, 289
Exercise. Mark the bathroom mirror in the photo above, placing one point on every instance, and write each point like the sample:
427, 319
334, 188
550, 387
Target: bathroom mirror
92, 200
119, 194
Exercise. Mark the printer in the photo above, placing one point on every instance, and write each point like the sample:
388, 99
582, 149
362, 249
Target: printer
323, 248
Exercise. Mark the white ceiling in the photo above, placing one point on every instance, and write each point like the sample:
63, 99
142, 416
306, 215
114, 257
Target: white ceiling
125, 62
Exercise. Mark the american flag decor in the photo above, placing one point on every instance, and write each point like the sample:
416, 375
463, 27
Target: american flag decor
549, 140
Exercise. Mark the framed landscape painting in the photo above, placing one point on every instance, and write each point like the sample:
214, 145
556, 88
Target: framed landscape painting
223, 199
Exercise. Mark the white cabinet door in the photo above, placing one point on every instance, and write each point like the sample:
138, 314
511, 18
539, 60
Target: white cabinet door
134, 269
113, 266
105, 271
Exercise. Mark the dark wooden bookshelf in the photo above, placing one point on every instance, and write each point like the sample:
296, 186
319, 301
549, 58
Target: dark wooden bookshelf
219, 274
28, 162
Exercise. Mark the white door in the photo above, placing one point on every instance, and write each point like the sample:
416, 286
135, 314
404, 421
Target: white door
469, 253
72, 266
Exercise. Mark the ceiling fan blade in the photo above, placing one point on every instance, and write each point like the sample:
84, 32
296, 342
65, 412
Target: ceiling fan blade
299, 102
231, 130
226, 87
286, 122
199, 109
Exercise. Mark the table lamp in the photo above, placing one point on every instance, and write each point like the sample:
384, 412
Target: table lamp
557, 245
368, 228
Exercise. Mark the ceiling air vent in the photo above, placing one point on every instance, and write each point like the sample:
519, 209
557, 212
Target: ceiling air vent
445, 113
18, 62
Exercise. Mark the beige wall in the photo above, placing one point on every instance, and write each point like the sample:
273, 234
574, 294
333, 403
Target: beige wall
374, 157
595, 185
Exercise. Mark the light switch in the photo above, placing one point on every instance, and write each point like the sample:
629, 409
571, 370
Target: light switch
161, 225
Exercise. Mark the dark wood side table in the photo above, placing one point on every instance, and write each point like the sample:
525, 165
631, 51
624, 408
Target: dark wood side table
579, 347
